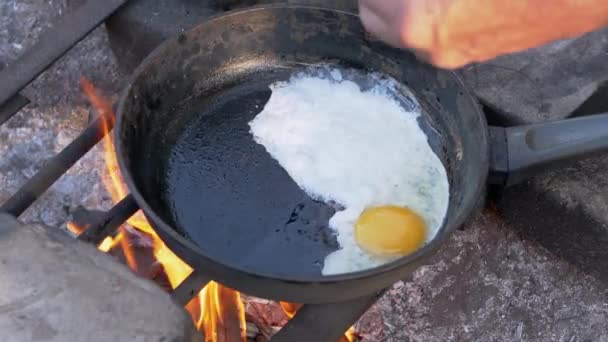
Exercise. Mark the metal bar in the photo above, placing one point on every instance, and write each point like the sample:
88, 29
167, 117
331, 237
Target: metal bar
190, 287
12, 106
53, 43
109, 223
324, 322
56, 167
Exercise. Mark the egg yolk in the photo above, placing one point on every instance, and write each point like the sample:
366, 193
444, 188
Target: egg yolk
390, 230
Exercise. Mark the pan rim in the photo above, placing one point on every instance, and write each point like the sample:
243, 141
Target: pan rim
415, 259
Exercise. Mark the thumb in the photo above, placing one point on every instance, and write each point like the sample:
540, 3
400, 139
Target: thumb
408, 24
403, 23
383, 18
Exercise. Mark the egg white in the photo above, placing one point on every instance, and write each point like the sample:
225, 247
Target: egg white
356, 147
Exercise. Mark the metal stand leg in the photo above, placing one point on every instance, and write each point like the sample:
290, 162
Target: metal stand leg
324, 322
190, 287
109, 223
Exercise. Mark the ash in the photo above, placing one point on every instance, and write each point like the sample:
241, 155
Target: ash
491, 281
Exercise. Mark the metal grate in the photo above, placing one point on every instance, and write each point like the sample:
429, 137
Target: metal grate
326, 322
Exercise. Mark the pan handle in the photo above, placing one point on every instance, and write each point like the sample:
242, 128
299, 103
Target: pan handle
520, 152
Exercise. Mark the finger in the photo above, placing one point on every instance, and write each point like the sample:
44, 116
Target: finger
383, 19
403, 23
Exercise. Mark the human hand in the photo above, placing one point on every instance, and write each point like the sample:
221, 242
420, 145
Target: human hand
453, 33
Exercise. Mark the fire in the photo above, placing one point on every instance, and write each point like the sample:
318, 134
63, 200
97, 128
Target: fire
107, 244
74, 228
221, 308
215, 306
290, 309
350, 335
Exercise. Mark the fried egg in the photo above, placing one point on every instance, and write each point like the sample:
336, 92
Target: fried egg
355, 140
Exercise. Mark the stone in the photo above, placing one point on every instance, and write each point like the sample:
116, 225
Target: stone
566, 211
55, 288
545, 83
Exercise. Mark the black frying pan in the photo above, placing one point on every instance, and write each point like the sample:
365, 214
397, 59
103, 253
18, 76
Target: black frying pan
222, 204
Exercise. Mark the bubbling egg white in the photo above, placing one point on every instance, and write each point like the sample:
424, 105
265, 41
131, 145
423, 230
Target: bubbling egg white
356, 147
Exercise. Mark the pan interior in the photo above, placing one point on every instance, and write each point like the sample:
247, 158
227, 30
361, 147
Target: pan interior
229, 196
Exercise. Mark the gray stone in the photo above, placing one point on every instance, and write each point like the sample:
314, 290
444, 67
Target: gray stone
545, 83
55, 288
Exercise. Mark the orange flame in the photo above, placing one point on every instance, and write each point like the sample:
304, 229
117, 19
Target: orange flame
350, 335
216, 307
222, 309
125, 245
290, 309
108, 243
74, 228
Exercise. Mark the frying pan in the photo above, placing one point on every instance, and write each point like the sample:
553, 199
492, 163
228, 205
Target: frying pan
223, 205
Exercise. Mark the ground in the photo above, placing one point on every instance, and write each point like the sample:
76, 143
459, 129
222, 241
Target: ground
530, 267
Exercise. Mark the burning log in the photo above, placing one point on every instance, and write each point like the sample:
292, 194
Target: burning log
251, 331
223, 314
81, 218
